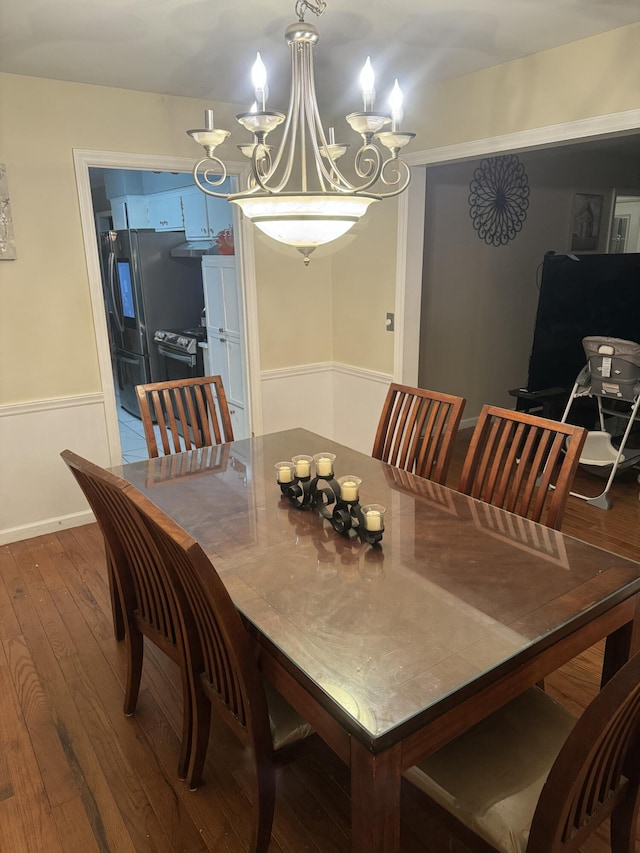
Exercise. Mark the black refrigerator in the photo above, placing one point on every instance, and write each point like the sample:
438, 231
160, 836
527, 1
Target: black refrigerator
145, 289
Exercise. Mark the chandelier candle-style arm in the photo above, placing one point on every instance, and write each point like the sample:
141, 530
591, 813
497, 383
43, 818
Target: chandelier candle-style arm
296, 193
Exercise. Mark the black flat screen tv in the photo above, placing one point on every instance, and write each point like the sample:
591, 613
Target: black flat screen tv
581, 295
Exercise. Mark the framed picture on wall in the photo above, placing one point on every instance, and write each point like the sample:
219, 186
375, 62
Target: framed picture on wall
7, 240
585, 222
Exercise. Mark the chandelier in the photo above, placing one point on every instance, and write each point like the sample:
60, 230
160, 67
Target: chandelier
297, 194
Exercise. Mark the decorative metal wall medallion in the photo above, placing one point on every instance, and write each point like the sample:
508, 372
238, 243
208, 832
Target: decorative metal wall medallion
498, 199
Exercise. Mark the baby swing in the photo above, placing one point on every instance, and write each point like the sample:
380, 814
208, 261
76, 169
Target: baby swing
612, 376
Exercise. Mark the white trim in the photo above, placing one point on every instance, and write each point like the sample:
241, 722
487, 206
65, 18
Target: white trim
50, 525
84, 159
468, 422
48, 405
362, 373
409, 284
411, 225
298, 370
614, 124
322, 367
249, 296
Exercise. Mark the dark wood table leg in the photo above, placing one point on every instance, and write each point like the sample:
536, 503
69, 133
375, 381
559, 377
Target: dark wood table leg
375, 799
621, 645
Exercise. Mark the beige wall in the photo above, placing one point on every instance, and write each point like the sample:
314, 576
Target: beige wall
593, 77
294, 305
364, 283
46, 289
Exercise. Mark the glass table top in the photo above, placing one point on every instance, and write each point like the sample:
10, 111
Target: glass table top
455, 588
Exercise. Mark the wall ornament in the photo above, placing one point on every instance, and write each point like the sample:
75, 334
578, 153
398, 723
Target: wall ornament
498, 199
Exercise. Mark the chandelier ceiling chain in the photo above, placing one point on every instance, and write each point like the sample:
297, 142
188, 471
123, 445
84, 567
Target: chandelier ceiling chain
317, 8
298, 194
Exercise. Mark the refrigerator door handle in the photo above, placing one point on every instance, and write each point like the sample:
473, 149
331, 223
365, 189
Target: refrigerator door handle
112, 277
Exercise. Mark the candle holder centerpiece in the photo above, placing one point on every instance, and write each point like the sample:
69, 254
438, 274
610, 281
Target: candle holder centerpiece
337, 500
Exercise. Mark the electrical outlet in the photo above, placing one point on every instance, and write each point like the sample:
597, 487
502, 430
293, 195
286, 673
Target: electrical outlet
390, 322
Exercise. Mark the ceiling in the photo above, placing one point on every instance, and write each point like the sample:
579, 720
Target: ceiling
205, 48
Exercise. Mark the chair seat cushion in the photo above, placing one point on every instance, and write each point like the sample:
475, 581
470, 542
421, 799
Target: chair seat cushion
287, 726
490, 778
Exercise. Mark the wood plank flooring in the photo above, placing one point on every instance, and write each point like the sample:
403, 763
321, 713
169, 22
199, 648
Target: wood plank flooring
77, 776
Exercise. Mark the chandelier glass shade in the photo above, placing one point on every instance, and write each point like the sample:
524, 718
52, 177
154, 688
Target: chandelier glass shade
296, 192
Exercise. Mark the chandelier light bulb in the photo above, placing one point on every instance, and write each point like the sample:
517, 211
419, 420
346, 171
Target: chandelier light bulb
395, 102
259, 80
367, 81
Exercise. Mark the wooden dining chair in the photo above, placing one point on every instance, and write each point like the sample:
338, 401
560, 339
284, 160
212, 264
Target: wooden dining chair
532, 779
522, 463
417, 429
148, 598
224, 673
190, 413
173, 596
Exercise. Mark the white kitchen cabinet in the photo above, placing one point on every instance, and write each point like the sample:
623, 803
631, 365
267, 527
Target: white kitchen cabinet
225, 337
224, 358
129, 211
204, 216
238, 421
194, 212
219, 214
165, 211
221, 297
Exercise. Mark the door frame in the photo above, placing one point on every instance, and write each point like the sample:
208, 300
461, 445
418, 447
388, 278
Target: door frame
411, 213
84, 159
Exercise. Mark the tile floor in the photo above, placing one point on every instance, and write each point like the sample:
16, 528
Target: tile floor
132, 441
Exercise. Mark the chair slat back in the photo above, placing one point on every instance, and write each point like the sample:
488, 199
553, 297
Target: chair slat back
146, 590
522, 463
190, 413
222, 659
596, 772
417, 429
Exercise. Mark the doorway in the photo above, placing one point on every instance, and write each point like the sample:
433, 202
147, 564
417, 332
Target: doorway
606, 129
92, 202
480, 298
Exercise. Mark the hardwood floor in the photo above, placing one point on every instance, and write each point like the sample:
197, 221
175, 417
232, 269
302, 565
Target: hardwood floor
77, 776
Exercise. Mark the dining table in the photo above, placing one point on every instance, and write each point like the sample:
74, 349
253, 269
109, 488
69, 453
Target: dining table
392, 649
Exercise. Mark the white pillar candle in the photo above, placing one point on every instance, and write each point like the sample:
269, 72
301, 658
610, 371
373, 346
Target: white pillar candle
373, 517
284, 472
302, 465
323, 467
349, 490
373, 520
324, 464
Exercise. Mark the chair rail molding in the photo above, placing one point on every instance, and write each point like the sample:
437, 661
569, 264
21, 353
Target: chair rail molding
351, 399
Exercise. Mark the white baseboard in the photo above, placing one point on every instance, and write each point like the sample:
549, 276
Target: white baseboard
50, 525
468, 422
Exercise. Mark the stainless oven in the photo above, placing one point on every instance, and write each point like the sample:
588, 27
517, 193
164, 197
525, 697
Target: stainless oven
180, 355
